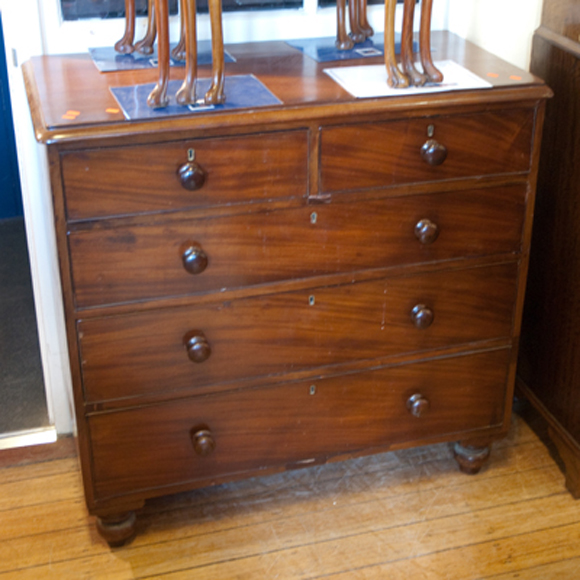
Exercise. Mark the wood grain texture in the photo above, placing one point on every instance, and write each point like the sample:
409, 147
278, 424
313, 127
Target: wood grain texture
550, 349
133, 263
402, 512
293, 77
562, 17
282, 285
127, 356
379, 154
102, 182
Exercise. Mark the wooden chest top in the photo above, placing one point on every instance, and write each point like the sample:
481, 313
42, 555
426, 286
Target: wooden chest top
298, 81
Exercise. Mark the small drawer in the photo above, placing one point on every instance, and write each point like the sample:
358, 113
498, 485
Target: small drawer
243, 432
126, 264
374, 155
183, 348
172, 176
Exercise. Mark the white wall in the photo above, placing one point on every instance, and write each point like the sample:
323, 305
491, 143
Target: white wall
503, 27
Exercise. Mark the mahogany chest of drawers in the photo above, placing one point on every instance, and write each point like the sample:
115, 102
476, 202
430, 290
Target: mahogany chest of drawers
259, 290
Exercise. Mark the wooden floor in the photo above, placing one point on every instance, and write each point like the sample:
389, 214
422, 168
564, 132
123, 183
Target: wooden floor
403, 515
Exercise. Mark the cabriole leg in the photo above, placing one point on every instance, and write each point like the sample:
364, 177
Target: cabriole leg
343, 40
158, 97
434, 75
395, 78
186, 94
216, 95
125, 45
145, 45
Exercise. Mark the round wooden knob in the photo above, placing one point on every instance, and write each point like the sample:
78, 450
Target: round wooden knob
203, 442
191, 175
422, 316
198, 348
433, 152
194, 258
426, 231
418, 405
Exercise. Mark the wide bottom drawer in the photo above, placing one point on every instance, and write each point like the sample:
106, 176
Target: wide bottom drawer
245, 431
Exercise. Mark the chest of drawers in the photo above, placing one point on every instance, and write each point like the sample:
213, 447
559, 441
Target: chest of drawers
253, 291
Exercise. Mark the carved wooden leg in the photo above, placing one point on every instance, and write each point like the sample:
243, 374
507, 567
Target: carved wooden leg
471, 457
364, 25
179, 52
145, 45
356, 33
125, 45
186, 94
158, 97
216, 95
343, 40
434, 75
395, 78
117, 529
407, 60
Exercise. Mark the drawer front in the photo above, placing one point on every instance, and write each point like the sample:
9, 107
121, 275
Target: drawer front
135, 263
383, 154
130, 180
254, 429
150, 352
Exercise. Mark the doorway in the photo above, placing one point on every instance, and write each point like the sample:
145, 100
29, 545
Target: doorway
23, 405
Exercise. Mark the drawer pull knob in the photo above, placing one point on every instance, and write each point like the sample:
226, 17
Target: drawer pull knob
198, 348
426, 231
203, 442
422, 316
191, 175
194, 259
418, 405
433, 152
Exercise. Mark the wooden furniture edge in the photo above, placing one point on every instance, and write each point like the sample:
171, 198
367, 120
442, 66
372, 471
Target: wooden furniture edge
274, 117
38, 121
559, 40
568, 449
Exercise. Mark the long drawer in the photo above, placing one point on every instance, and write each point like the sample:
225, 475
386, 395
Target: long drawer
380, 154
178, 348
127, 264
129, 180
253, 429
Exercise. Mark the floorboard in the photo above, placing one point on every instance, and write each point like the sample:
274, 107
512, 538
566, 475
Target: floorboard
402, 515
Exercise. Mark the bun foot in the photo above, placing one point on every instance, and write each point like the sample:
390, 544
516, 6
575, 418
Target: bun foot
470, 458
117, 529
